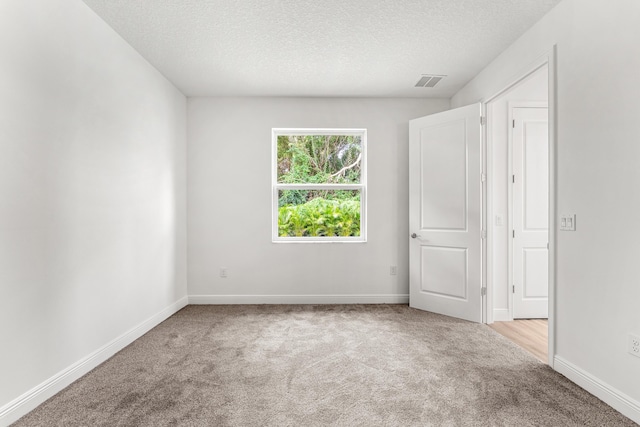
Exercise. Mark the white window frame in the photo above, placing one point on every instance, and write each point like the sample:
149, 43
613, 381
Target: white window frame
275, 186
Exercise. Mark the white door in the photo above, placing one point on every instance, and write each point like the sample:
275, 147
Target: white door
445, 202
530, 141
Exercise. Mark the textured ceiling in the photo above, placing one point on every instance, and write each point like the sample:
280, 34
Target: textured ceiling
319, 47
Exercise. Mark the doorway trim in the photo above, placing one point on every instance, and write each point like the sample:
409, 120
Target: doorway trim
548, 59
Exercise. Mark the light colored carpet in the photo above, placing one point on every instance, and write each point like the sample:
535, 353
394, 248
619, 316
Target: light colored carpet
342, 365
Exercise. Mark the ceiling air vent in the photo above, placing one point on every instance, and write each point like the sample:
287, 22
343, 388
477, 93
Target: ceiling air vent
429, 80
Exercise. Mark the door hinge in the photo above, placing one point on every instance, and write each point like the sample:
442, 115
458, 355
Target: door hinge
513, 124
513, 289
513, 179
483, 177
483, 291
483, 120
483, 234
513, 233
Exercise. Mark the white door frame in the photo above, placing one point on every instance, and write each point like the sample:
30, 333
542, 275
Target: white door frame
550, 60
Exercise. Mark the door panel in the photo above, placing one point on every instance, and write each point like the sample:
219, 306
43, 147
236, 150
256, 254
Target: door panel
443, 167
445, 195
444, 271
535, 276
536, 172
530, 212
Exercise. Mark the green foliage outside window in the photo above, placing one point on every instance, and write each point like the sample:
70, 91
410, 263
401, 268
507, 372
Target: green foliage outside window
319, 159
320, 217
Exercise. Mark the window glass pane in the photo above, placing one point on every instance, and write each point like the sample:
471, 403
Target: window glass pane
318, 213
319, 159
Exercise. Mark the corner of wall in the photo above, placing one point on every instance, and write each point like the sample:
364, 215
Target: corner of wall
25, 403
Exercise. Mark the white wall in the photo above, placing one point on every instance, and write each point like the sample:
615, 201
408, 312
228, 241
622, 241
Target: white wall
229, 202
92, 190
598, 288
534, 88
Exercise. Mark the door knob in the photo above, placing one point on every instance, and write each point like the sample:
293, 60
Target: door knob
414, 235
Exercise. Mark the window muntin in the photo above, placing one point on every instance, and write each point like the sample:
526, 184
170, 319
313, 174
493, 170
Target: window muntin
319, 185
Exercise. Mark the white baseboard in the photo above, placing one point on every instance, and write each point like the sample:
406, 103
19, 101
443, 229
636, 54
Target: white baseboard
299, 299
22, 405
615, 398
501, 315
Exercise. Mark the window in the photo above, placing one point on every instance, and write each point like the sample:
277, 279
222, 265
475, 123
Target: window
319, 185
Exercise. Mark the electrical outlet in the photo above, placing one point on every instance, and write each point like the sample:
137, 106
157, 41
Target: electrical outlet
224, 273
634, 345
393, 270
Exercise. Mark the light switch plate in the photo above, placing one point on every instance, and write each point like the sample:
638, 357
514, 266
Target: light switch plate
568, 222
